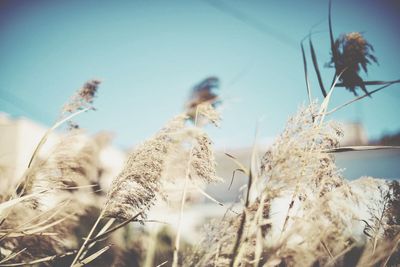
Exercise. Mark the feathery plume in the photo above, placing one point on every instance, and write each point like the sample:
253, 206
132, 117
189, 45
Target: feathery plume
73, 163
83, 98
202, 161
295, 166
297, 155
136, 187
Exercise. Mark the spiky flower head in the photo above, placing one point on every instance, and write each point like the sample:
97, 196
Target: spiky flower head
353, 52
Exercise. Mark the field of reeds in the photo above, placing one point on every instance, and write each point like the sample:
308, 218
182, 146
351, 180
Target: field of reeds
297, 208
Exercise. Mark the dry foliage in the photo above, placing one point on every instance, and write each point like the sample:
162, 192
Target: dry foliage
306, 213
298, 209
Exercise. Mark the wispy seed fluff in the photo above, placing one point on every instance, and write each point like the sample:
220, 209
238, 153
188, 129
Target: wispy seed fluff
295, 167
83, 98
74, 163
297, 155
202, 161
135, 188
206, 113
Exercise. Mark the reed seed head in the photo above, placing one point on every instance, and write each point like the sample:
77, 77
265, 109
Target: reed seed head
135, 189
83, 98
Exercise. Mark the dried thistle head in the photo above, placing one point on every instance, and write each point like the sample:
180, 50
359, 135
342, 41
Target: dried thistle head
83, 98
353, 52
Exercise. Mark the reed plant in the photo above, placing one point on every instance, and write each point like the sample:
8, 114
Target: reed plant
297, 208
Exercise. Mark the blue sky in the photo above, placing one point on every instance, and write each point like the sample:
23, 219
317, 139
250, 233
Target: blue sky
150, 53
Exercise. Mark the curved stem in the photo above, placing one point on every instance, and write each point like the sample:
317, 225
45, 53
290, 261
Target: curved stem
187, 175
359, 98
81, 249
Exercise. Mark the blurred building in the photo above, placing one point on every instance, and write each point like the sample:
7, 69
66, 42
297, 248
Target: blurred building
19, 138
354, 134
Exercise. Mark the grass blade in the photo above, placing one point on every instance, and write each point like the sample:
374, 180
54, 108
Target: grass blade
316, 68
332, 39
240, 165
43, 141
12, 255
359, 148
233, 177
42, 228
83, 247
360, 97
91, 257
106, 233
162, 264
324, 105
45, 259
102, 231
306, 72
55, 126
367, 83
12, 202
395, 244
22, 234
334, 51
208, 196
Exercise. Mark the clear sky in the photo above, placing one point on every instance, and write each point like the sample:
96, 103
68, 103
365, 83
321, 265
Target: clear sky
150, 53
